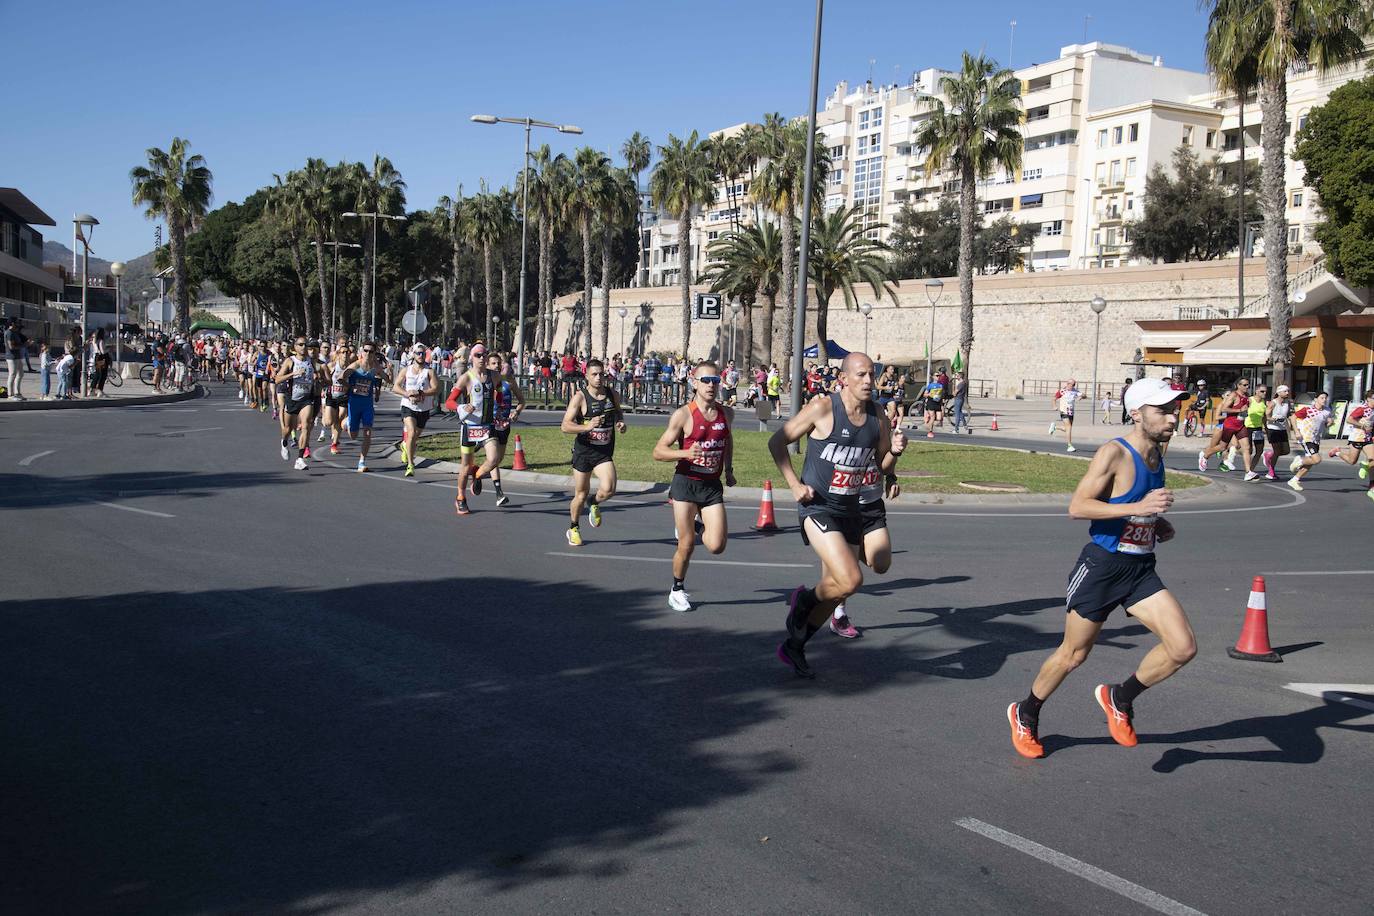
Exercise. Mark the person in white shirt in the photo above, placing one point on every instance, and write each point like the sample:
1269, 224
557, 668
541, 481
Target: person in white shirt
1066, 398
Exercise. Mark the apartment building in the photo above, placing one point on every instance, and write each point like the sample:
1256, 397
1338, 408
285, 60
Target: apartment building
25, 287
1096, 120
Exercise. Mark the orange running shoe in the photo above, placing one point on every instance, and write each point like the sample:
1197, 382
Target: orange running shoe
1118, 720
1025, 740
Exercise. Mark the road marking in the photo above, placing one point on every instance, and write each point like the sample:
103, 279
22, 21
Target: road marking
1111, 882
25, 462
131, 509
183, 432
1323, 572
615, 556
1320, 690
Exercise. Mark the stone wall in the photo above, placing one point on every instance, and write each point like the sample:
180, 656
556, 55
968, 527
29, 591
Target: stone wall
1027, 326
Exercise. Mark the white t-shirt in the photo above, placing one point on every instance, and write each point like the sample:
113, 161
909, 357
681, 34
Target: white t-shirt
1067, 398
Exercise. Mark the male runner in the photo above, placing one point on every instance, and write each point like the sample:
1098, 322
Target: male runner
262, 366
698, 439
1066, 398
876, 553
416, 385
594, 417
1310, 422
296, 380
1359, 438
1123, 497
473, 399
363, 381
933, 404
1232, 410
510, 404
845, 434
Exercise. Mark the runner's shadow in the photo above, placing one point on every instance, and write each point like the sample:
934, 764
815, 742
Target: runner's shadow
883, 588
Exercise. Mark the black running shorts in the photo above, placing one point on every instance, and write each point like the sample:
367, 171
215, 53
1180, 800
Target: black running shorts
1277, 437
421, 417
585, 459
874, 516
702, 492
1101, 581
851, 526
294, 406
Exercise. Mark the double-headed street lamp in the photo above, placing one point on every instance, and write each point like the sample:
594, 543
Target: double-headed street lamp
84, 226
528, 124
1098, 305
334, 306
118, 268
865, 309
372, 311
934, 289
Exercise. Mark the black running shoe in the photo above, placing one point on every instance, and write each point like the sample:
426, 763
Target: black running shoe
796, 657
476, 486
796, 628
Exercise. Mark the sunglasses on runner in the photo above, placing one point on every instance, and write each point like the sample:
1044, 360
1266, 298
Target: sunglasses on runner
709, 379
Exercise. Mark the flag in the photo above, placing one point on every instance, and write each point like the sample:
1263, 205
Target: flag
958, 364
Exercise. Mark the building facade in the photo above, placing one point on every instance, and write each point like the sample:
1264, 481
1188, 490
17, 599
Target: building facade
25, 287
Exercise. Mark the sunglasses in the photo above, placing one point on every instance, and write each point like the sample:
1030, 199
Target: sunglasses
709, 379
367, 349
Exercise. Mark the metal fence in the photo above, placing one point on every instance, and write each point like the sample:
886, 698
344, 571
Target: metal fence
635, 395
1046, 388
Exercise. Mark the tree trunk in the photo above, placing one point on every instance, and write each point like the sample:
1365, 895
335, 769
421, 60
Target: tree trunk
1273, 198
366, 320
587, 283
451, 293
545, 285
325, 325
822, 327
747, 348
294, 243
789, 289
770, 304
605, 290
176, 241
486, 277
685, 277
968, 200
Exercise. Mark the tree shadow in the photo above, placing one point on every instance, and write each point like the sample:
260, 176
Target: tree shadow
267, 749
28, 490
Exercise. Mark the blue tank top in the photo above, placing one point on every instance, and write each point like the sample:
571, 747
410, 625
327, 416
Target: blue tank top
361, 383
1134, 535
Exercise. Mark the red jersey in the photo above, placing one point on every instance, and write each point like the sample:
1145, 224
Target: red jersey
713, 435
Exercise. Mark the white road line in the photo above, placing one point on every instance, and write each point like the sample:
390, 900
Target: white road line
131, 509
1323, 572
1320, 690
616, 556
25, 462
1127, 889
184, 432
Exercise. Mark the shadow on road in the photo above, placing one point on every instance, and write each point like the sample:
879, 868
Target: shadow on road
32, 490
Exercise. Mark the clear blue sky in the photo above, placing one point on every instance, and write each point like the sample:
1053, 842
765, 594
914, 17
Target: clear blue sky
257, 86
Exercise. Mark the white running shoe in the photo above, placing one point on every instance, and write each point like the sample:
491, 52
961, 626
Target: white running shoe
362, 465
1252, 475
679, 600
1070, 449
285, 453
301, 465
320, 437
1202, 460
1295, 484
1295, 464
1053, 427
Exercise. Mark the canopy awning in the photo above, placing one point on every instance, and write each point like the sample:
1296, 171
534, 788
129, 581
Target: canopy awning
1225, 347
832, 350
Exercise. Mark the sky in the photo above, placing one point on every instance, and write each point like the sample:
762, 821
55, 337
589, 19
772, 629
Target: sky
258, 87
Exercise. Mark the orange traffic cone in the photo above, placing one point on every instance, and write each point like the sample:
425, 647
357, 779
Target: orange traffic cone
1253, 645
766, 521
993, 427
518, 462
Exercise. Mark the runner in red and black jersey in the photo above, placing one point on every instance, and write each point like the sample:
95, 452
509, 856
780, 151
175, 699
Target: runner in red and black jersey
698, 439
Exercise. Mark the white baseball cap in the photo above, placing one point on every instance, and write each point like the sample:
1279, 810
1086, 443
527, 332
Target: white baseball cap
1154, 391
1283, 389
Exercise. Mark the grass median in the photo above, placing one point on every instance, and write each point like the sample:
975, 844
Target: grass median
933, 466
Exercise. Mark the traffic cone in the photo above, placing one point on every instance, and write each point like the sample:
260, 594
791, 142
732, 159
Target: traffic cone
993, 427
1253, 645
766, 521
518, 462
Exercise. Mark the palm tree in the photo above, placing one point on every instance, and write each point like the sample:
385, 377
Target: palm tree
844, 257
178, 189
616, 207
449, 210
378, 190
507, 231
729, 157
976, 134
590, 174
1262, 40
748, 265
287, 205
637, 152
483, 230
319, 197
682, 181
548, 186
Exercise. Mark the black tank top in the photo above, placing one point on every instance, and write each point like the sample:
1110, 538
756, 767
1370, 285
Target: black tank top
603, 437
835, 466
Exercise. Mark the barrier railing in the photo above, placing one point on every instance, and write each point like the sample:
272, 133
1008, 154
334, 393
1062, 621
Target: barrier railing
635, 395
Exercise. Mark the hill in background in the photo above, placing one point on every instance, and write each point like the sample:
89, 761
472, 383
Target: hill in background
138, 276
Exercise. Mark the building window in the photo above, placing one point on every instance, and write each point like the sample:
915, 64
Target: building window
1031, 174
1130, 168
1302, 120
1130, 202
1294, 234
836, 153
863, 146
1297, 198
873, 117
1032, 200
1101, 138
1116, 136
1053, 228
1100, 173
836, 177
868, 179
1132, 133
1211, 139
1117, 176
1187, 135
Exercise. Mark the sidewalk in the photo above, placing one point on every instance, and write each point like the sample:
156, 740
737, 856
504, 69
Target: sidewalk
1031, 418
133, 393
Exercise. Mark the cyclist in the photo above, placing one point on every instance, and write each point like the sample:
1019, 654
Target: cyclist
1201, 404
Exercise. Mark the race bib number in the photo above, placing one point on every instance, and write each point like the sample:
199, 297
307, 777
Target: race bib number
845, 481
600, 435
478, 433
710, 460
1138, 537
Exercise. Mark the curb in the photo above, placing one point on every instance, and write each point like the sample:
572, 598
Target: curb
199, 391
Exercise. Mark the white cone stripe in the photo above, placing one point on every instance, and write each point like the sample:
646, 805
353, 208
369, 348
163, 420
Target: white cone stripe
1257, 601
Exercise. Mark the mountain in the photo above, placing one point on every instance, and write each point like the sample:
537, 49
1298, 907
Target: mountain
139, 274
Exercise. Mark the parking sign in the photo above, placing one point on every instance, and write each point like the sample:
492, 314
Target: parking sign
707, 307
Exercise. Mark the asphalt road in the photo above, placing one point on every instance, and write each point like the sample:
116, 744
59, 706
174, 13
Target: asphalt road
229, 686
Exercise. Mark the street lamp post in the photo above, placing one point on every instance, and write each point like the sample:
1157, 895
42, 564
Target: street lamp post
934, 289
735, 308
808, 188
334, 304
866, 309
528, 124
622, 312
82, 222
1098, 305
117, 268
372, 309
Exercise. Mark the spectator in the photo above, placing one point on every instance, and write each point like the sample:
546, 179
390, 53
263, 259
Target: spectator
959, 398
652, 368
65, 367
45, 369
15, 344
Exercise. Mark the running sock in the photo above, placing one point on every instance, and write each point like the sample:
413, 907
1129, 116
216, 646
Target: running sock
839, 611
1029, 708
1124, 694
677, 584
302, 452
497, 485
285, 440
1269, 460
574, 526
807, 600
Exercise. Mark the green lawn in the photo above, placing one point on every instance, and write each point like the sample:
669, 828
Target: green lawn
547, 450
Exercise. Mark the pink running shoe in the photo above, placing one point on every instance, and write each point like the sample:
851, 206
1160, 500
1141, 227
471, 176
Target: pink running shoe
842, 626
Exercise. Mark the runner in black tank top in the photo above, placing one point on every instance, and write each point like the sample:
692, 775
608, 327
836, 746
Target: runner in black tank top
845, 434
593, 417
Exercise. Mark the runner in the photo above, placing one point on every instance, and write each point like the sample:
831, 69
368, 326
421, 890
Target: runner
845, 436
363, 381
262, 382
336, 395
1278, 417
1310, 424
593, 416
933, 404
876, 552
1123, 497
1232, 409
296, 378
698, 439
1359, 439
1253, 445
510, 404
416, 385
1066, 398
473, 399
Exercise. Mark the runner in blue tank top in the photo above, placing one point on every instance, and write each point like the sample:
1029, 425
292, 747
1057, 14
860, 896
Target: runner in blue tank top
1124, 500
